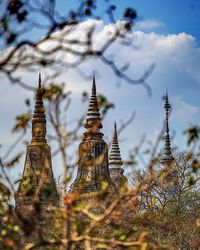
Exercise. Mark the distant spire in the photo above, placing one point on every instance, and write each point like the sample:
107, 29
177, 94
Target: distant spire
39, 118
93, 120
93, 85
115, 156
39, 80
167, 153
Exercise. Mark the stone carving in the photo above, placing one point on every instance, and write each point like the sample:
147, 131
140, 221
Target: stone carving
93, 152
37, 195
167, 160
119, 181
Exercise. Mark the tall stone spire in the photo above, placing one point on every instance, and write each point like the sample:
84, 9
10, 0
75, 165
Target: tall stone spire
93, 168
37, 192
115, 160
93, 119
170, 178
167, 153
119, 181
39, 118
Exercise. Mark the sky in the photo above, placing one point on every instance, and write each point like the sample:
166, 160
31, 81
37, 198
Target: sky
166, 34
176, 15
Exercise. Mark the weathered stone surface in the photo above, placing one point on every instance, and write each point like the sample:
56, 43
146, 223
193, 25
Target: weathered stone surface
37, 196
170, 179
93, 171
119, 181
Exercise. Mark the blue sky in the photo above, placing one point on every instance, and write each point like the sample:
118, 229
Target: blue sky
167, 34
178, 15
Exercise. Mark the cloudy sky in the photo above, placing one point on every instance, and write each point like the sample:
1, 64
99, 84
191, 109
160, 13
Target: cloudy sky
166, 34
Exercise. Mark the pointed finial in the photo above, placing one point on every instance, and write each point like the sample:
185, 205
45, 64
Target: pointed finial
39, 89
167, 154
115, 160
39, 80
167, 105
93, 120
93, 85
115, 131
39, 117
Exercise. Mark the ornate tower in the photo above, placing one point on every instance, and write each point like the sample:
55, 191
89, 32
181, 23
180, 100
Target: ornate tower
167, 153
119, 181
93, 168
37, 192
167, 160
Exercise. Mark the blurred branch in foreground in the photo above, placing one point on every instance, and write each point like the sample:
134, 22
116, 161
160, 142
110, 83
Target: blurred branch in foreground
35, 35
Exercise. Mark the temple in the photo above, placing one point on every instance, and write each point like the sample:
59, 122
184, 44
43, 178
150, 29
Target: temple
37, 195
93, 169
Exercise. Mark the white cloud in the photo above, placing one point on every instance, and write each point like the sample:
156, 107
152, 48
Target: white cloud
149, 24
172, 53
178, 61
183, 111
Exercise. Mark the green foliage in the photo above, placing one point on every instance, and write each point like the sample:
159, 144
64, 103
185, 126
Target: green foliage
104, 104
26, 185
195, 165
192, 134
4, 196
8, 228
21, 122
9, 234
191, 181
4, 191
55, 92
81, 226
14, 160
